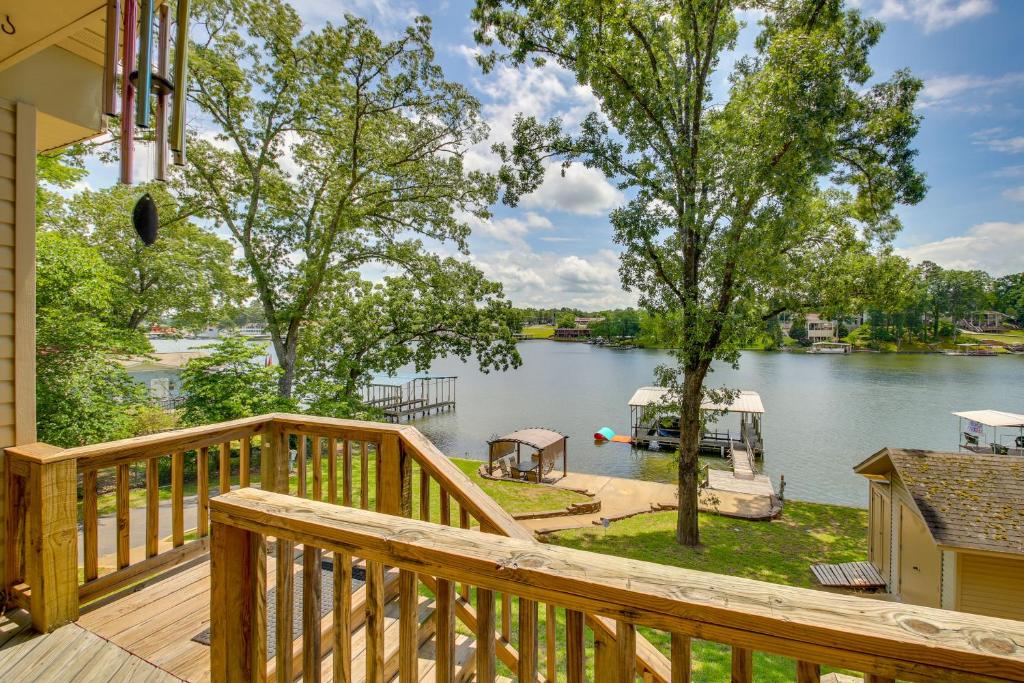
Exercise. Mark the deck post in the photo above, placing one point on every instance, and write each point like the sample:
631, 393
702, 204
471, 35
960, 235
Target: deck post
238, 605
51, 541
395, 469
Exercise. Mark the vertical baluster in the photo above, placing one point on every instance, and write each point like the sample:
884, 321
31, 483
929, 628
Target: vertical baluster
527, 640
807, 672
605, 657
284, 606
549, 640
408, 627
444, 656
244, 456
424, 495
225, 467
332, 470
446, 508
464, 524
742, 665
681, 665
506, 616
346, 473
311, 613
575, 663
485, 668
364, 476
374, 622
317, 468
625, 642
178, 498
90, 525
342, 631
300, 465
152, 506
203, 476
121, 495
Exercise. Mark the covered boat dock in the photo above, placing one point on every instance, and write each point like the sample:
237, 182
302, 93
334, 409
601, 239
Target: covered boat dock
652, 422
1004, 434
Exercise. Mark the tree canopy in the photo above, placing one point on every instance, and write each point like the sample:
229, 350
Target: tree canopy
734, 203
333, 149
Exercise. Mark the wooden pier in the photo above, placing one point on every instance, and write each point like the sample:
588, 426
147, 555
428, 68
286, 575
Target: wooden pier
415, 398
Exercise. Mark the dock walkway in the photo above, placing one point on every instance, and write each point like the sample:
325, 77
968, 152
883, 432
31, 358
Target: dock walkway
621, 498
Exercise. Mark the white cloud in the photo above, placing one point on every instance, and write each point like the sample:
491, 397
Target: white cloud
994, 247
583, 191
1015, 194
931, 15
999, 140
952, 91
1009, 172
587, 281
393, 15
511, 230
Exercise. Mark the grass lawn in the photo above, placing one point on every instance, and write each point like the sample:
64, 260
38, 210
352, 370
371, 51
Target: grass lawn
1008, 337
539, 331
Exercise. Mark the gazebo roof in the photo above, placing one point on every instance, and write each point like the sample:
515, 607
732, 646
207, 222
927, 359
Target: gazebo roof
535, 437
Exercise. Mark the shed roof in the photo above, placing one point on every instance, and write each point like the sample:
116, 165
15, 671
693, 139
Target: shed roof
168, 360
745, 402
536, 437
968, 500
993, 418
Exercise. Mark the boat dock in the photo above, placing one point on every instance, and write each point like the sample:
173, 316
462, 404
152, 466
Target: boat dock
410, 399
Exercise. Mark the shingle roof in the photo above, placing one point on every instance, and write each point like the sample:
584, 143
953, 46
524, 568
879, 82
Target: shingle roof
968, 500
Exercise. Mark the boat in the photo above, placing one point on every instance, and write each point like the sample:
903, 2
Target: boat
970, 350
991, 431
830, 347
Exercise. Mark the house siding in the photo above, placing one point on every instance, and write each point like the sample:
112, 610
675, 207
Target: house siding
991, 585
17, 284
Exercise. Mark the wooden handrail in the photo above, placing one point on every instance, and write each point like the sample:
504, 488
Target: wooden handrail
883, 639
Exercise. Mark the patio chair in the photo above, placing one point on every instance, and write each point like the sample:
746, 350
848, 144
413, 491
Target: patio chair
1000, 449
503, 466
970, 439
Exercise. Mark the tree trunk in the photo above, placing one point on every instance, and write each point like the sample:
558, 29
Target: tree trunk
286, 382
687, 531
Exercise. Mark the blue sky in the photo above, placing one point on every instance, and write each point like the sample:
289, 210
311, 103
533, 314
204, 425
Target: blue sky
556, 248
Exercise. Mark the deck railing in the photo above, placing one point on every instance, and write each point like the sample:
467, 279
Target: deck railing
380, 467
885, 640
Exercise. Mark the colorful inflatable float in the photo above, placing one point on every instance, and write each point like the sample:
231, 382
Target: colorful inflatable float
606, 434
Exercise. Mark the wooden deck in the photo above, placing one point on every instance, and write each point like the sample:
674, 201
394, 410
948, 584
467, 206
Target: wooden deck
848, 575
155, 622
71, 653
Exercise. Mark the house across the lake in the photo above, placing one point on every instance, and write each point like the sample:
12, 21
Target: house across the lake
947, 529
160, 373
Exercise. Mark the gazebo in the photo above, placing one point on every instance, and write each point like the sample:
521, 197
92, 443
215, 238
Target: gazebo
546, 446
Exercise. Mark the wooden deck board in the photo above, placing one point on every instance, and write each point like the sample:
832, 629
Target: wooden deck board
68, 653
848, 575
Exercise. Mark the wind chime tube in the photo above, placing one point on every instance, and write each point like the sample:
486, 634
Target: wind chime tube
163, 59
110, 57
144, 84
128, 93
180, 79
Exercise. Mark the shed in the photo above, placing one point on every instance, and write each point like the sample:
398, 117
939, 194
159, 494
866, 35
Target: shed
947, 529
546, 445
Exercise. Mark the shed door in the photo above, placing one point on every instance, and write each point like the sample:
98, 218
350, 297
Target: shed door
880, 528
920, 562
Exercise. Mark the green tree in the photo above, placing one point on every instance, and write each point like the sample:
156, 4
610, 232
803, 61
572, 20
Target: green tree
798, 329
362, 329
736, 200
187, 276
565, 319
82, 394
232, 382
1008, 296
335, 149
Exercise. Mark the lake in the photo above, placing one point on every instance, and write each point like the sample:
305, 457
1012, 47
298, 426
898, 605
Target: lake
823, 413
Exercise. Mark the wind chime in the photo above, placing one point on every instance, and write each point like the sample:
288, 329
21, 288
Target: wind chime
141, 81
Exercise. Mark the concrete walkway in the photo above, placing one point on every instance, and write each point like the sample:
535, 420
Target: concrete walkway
622, 498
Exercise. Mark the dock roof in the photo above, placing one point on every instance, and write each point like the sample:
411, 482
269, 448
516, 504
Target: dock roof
993, 418
745, 402
967, 500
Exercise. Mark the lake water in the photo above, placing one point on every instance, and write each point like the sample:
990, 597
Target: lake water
823, 413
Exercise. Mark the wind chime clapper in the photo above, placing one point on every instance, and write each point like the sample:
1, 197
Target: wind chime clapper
130, 45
